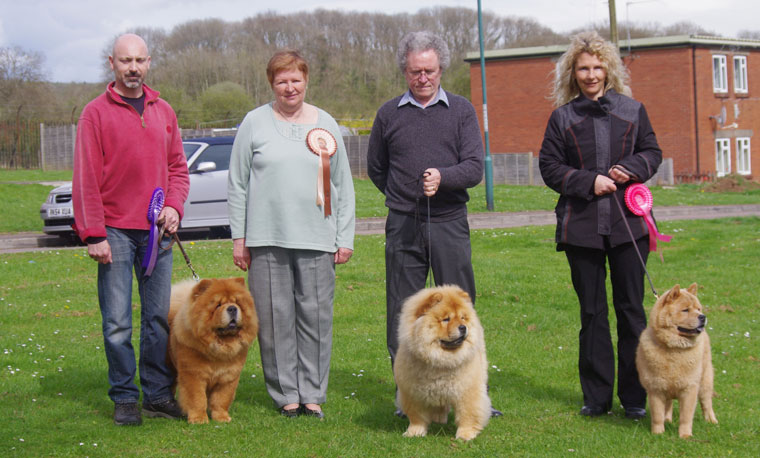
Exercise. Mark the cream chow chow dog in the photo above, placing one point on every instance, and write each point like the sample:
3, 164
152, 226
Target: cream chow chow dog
441, 363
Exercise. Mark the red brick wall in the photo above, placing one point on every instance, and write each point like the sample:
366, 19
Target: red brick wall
662, 79
518, 107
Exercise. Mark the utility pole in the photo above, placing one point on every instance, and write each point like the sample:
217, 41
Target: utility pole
613, 24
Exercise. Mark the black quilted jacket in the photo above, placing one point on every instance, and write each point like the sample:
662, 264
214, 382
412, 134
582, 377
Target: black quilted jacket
583, 139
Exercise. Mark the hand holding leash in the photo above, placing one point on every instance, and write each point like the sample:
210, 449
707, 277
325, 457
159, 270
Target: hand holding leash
431, 181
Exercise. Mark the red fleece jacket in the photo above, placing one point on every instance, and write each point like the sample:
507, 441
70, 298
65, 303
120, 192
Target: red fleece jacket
120, 157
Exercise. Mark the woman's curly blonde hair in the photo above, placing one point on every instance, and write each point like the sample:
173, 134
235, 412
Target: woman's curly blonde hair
566, 87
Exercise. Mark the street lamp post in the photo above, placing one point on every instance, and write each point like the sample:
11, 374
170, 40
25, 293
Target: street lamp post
488, 161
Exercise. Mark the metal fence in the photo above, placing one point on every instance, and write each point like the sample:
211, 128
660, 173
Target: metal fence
51, 147
19, 145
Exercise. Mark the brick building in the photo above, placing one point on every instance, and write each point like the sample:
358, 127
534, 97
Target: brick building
698, 92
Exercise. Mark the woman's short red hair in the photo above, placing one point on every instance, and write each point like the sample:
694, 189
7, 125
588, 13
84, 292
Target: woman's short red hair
288, 59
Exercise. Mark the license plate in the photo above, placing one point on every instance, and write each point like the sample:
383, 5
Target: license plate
58, 212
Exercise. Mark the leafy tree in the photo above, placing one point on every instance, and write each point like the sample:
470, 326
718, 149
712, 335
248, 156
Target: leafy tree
22, 89
225, 101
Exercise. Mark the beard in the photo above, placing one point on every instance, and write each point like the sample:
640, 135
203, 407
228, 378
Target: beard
133, 80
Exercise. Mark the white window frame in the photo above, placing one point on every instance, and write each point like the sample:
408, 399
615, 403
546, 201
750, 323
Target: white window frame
722, 156
720, 73
740, 75
743, 156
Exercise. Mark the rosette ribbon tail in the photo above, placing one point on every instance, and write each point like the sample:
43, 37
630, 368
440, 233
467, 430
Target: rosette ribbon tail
324, 157
654, 235
154, 209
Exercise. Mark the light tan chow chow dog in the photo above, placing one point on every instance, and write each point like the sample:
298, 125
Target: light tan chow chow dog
674, 360
441, 363
211, 325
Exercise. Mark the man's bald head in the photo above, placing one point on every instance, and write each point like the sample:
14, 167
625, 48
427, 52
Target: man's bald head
130, 62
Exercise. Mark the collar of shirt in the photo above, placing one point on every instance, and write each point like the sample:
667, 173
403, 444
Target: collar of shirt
409, 98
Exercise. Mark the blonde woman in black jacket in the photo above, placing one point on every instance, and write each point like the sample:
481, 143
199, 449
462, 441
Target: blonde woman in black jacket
597, 142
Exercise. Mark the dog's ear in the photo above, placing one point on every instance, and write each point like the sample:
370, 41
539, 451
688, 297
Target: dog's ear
673, 294
202, 286
693, 288
240, 280
428, 303
463, 294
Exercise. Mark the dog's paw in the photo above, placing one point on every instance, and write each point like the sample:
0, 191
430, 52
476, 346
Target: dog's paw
415, 431
467, 434
222, 416
710, 417
197, 419
658, 429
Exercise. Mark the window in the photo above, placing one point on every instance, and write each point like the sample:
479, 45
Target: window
218, 154
720, 75
743, 156
740, 74
722, 156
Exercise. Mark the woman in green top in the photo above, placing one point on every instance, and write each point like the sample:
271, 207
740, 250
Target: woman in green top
291, 209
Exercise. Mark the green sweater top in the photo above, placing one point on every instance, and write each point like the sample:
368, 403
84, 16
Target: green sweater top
272, 187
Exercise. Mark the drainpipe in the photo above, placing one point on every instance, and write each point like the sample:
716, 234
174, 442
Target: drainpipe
696, 102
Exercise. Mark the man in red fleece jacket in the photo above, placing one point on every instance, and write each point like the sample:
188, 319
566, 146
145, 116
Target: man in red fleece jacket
128, 144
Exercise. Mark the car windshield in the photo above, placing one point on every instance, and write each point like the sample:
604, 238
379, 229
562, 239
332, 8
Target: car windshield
190, 148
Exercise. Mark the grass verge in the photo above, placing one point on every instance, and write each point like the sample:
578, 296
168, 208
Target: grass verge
53, 372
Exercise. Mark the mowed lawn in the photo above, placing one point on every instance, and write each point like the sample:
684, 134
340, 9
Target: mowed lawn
53, 388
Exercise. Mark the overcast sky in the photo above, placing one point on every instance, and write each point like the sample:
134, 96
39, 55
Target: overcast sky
72, 33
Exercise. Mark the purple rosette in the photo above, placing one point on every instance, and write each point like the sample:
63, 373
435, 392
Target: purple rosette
154, 209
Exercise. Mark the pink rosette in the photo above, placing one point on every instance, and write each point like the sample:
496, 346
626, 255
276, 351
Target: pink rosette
638, 199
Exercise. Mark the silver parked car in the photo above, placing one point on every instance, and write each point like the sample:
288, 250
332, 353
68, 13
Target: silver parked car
208, 160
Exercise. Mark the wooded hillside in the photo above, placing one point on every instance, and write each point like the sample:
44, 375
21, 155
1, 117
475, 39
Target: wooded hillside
213, 71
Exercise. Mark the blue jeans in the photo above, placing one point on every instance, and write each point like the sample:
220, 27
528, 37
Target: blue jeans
128, 247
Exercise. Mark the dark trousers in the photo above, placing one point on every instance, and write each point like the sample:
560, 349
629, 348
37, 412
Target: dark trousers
596, 361
406, 262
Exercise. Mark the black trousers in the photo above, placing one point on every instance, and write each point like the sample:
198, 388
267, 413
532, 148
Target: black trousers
596, 361
406, 262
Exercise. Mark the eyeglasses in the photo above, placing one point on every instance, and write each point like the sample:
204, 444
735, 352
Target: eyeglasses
416, 74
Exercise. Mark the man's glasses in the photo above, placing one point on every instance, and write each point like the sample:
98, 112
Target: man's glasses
416, 74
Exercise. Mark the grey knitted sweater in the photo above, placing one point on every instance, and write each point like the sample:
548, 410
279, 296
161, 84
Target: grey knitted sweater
406, 140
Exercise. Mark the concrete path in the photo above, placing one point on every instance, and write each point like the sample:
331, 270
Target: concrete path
540, 218
32, 241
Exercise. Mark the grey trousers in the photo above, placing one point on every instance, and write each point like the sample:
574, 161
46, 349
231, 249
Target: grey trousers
293, 291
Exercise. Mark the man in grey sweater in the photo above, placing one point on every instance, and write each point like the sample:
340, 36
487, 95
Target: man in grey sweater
425, 150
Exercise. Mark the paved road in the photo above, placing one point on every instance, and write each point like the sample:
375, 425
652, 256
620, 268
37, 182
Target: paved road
35, 241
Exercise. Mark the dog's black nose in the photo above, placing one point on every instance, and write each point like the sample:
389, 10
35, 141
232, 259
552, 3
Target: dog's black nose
702, 319
462, 329
232, 311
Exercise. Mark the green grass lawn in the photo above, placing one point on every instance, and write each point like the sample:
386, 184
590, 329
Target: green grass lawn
53, 387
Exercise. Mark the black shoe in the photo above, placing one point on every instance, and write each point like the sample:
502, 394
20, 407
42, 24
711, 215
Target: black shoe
593, 411
290, 413
635, 412
399, 413
312, 413
168, 409
127, 414
495, 413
